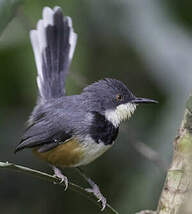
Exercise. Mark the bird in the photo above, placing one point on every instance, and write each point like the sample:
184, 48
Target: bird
71, 131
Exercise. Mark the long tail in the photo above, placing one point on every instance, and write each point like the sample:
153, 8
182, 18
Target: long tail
53, 45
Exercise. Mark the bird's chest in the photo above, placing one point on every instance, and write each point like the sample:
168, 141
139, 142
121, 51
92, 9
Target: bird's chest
91, 150
102, 135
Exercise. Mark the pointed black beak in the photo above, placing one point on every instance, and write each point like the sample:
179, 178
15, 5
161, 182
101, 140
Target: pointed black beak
142, 100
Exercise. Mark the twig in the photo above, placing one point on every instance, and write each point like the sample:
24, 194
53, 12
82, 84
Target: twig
149, 154
146, 151
55, 180
147, 212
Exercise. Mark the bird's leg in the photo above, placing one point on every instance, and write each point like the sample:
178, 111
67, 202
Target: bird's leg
58, 174
95, 189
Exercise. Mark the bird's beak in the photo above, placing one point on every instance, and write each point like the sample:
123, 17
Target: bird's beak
138, 100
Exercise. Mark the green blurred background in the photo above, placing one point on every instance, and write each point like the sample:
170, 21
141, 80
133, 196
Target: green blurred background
148, 45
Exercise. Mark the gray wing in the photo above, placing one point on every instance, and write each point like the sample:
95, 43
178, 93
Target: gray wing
45, 132
53, 44
54, 123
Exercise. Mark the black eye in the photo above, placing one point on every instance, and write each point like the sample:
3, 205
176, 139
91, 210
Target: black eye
119, 97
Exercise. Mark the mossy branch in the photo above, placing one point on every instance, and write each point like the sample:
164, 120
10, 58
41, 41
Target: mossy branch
55, 180
176, 195
177, 191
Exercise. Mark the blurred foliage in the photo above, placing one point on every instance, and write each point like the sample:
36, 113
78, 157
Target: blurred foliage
182, 10
7, 11
128, 180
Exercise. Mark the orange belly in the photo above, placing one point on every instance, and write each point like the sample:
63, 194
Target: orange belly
68, 154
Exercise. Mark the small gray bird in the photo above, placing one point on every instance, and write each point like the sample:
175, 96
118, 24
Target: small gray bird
71, 131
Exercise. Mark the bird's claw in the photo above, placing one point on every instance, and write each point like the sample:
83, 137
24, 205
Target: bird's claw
97, 193
63, 179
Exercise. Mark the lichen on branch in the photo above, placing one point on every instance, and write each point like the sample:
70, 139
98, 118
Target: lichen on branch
178, 184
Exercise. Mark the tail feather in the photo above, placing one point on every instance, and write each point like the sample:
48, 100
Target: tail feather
53, 43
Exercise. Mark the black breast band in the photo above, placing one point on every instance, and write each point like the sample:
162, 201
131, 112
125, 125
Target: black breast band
103, 130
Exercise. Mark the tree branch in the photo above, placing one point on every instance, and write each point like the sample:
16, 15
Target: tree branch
177, 191
55, 180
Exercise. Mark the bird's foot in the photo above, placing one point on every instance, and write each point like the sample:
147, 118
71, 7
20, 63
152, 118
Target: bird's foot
97, 193
58, 174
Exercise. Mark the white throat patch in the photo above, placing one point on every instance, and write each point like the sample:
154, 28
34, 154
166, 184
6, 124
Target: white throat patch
121, 113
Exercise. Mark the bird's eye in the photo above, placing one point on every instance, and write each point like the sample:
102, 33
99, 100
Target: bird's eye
119, 97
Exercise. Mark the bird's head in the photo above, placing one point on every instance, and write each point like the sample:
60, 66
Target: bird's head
113, 99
